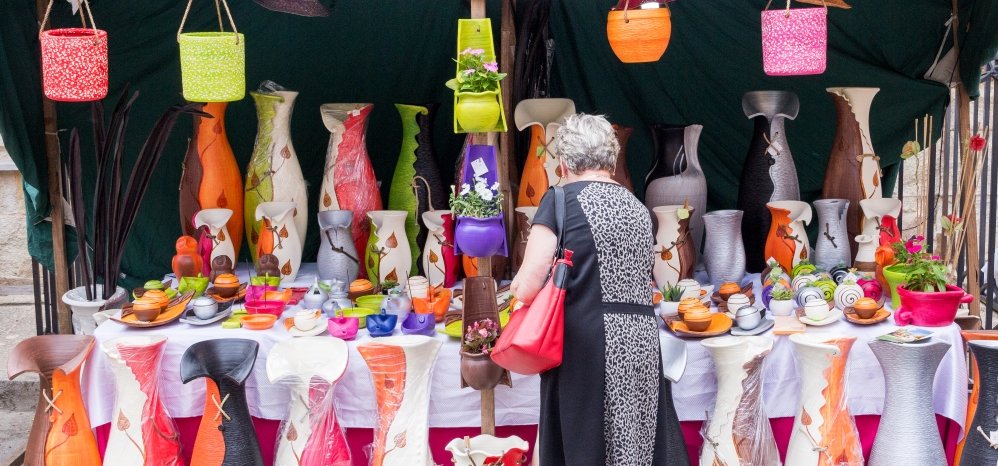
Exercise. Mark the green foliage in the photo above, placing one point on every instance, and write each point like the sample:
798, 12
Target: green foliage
671, 293
475, 75
781, 293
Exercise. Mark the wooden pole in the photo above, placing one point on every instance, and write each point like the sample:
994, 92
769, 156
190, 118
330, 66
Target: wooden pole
507, 159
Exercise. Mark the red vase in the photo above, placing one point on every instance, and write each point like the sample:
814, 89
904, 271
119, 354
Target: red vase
930, 309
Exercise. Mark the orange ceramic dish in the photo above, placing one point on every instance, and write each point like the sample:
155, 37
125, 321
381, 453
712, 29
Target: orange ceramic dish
173, 312
258, 321
720, 323
283, 296
438, 306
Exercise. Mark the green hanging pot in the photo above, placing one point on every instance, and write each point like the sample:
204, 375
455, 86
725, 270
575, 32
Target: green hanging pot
477, 111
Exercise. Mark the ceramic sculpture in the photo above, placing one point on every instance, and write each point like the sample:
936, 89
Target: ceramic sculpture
873, 211
401, 368
187, 262
310, 434
337, 258
831, 248
142, 432
387, 257
908, 427
60, 433
543, 117
274, 174
787, 241
621, 173
416, 185
724, 253
676, 176
216, 240
976, 444
440, 264
738, 431
226, 436
279, 237
524, 219
348, 181
769, 173
675, 256
824, 432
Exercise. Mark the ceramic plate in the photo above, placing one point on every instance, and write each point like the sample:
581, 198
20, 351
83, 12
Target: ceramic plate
190, 318
831, 319
763, 326
210, 292
720, 323
881, 315
172, 313
317, 330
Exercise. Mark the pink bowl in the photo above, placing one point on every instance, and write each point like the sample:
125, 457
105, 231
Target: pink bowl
930, 309
265, 307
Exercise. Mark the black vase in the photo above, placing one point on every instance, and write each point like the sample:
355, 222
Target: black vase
676, 177
226, 364
977, 450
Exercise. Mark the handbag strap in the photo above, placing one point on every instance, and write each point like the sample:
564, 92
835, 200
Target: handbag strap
559, 218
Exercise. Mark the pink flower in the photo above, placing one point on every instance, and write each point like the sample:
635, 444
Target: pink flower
476, 51
935, 258
469, 72
466, 51
491, 66
912, 245
977, 143
484, 333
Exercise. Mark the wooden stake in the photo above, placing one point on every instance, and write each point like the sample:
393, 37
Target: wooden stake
507, 158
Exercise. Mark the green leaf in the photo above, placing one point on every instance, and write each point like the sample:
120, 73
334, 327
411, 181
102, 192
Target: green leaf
683, 214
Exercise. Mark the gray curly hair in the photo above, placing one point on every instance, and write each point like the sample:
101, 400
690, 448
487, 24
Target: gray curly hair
587, 142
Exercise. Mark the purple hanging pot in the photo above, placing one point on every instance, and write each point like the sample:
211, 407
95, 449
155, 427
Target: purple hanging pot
419, 324
480, 237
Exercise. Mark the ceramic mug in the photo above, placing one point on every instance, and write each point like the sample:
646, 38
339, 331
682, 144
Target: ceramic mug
306, 320
817, 309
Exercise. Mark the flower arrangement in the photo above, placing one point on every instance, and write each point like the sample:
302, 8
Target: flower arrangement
482, 201
923, 271
475, 74
480, 337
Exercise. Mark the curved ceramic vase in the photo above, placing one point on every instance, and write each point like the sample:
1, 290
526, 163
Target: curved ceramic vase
675, 256
311, 434
141, 430
973, 400
215, 238
738, 431
769, 173
831, 248
387, 257
982, 418
723, 251
853, 171
401, 370
874, 212
543, 117
60, 433
524, 219
337, 258
274, 174
908, 427
824, 432
787, 241
279, 237
440, 264
348, 181
226, 436
211, 177
621, 173
676, 176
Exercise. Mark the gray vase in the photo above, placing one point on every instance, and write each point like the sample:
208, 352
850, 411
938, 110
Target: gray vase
337, 259
723, 251
676, 177
831, 248
908, 428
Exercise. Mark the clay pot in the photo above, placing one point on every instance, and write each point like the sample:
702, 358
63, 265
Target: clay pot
698, 318
727, 289
866, 307
361, 287
686, 304
479, 372
157, 296
146, 309
930, 309
638, 35
226, 285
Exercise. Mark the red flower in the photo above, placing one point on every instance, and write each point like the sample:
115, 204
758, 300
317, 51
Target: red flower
977, 143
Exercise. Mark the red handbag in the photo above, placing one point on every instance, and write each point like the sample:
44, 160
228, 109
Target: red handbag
534, 339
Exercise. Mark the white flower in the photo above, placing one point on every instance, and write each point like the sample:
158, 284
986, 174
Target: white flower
495, 186
486, 195
465, 189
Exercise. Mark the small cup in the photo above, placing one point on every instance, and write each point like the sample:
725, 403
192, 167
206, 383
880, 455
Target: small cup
817, 310
306, 320
866, 308
204, 307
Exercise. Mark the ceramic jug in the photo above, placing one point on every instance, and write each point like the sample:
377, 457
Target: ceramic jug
440, 264
674, 252
676, 176
274, 174
769, 173
723, 251
387, 258
215, 237
874, 212
279, 238
621, 174
524, 219
543, 117
831, 248
787, 241
337, 258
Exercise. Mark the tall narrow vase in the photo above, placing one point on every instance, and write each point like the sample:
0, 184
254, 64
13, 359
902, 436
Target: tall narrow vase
211, 177
388, 259
439, 261
621, 173
908, 427
675, 257
524, 219
337, 259
141, 430
973, 401
348, 181
738, 431
769, 173
787, 241
274, 174
676, 176
824, 432
416, 185
853, 171
831, 248
279, 237
982, 422
723, 251
216, 240
543, 117
400, 370
874, 212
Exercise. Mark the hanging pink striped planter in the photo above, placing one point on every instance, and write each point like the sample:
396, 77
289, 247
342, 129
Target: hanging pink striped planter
794, 41
74, 64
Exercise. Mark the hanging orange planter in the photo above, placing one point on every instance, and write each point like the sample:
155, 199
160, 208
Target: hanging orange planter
639, 31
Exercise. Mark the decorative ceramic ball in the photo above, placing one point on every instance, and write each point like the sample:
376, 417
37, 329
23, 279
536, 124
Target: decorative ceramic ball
801, 281
827, 286
808, 294
802, 268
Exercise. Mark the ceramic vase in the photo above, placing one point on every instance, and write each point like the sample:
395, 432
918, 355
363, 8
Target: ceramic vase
982, 351
310, 368
674, 252
769, 173
787, 241
543, 117
440, 264
60, 433
337, 258
348, 181
387, 257
416, 185
853, 171
723, 251
738, 431
142, 432
215, 238
274, 174
401, 368
475, 450
187, 262
524, 219
676, 176
824, 432
908, 427
831, 248
226, 436
279, 237
211, 177
621, 173
873, 211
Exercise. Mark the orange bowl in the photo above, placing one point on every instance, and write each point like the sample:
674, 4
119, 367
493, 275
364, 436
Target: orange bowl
438, 306
258, 321
729, 288
283, 296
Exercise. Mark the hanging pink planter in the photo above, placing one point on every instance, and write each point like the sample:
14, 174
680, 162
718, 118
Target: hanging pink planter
74, 64
794, 41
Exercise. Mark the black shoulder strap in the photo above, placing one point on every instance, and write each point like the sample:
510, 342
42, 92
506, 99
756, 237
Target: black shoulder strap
559, 217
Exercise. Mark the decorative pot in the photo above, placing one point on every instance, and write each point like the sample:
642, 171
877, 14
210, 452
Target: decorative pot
621, 174
416, 182
853, 171
84, 310
908, 427
314, 297
769, 173
479, 372
639, 35
875, 214
787, 241
337, 258
975, 448
274, 174
480, 237
211, 177
675, 256
895, 276
846, 294
524, 220
543, 117
930, 309
475, 450
213, 65
388, 258
676, 177
279, 237
348, 181
871, 288
419, 324
74, 64
738, 431
723, 251
216, 240
832, 245
781, 307
477, 111
440, 264
794, 41
187, 262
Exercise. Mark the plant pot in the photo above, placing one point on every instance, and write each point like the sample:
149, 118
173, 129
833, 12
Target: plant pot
895, 275
477, 111
480, 237
781, 307
83, 310
74, 64
638, 36
479, 372
929, 309
213, 66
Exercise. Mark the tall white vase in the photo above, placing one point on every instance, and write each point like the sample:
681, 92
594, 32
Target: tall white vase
738, 431
279, 232
874, 211
389, 258
674, 252
435, 270
215, 220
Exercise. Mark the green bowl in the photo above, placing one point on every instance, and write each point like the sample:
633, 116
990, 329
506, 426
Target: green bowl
372, 302
360, 313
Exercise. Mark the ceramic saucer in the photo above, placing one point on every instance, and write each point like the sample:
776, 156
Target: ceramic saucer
764, 325
881, 315
190, 318
720, 323
318, 329
831, 319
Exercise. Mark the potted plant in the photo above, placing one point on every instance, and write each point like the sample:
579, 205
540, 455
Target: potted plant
477, 367
478, 207
905, 254
781, 300
928, 298
671, 295
477, 88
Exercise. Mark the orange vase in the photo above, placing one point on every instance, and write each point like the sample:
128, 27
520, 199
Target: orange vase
187, 262
975, 392
787, 242
534, 180
543, 117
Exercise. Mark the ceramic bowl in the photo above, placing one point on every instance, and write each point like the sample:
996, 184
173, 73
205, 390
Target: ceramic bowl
817, 309
258, 321
204, 307
274, 308
157, 296
360, 288
686, 305
146, 310
866, 308
698, 319
226, 285
359, 313
737, 301
307, 319
372, 302
781, 307
690, 288
727, 289
748, 317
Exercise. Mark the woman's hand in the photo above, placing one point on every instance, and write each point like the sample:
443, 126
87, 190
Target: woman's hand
536, 264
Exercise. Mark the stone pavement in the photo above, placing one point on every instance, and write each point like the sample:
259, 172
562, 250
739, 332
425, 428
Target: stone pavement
18, 397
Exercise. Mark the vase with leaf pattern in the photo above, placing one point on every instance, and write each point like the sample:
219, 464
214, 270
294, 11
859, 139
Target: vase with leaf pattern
388, 258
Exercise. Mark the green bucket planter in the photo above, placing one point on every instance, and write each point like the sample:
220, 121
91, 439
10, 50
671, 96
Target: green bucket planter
477, 111
213, 66
372, 302
360, 313
895, 276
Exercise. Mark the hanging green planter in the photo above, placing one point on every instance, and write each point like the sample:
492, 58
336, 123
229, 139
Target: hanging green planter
212, 64
478, 104
477, 110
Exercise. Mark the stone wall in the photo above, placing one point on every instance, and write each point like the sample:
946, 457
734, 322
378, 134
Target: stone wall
15, 263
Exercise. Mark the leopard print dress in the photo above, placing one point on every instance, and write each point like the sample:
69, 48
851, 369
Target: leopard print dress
608, 403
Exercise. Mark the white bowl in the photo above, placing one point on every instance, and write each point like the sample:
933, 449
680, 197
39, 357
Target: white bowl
307, 320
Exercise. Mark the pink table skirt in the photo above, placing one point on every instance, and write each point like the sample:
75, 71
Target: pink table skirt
360, 439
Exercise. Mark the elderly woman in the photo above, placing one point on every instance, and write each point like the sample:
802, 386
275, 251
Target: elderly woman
608, 403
